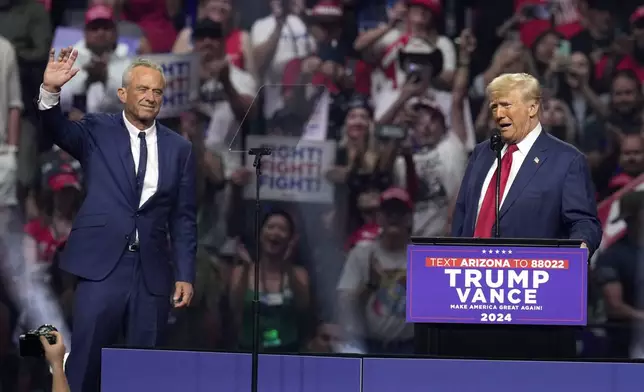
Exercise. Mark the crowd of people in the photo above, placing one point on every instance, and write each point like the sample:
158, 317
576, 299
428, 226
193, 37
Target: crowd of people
397, 89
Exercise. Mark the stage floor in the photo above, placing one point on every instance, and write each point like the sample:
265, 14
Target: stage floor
126, 370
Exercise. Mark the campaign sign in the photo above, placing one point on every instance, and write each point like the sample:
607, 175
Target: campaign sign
181, 82
295, 171
496, 285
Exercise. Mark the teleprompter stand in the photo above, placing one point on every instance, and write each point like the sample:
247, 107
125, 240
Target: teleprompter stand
495, 341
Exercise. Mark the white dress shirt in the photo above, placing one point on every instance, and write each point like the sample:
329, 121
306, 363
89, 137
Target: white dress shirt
518, 157
48, 100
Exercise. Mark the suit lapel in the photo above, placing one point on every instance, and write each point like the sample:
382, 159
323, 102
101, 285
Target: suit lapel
123, 144
532, 163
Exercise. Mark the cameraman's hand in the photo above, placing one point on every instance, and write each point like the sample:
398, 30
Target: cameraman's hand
54, 353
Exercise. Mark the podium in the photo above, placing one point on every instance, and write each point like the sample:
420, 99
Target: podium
497, 298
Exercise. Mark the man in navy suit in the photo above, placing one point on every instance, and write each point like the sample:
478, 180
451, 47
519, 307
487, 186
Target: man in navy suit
547, 192
140, 179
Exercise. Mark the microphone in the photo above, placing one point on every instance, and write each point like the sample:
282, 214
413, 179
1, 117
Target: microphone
496, 145
260, 151
496, 141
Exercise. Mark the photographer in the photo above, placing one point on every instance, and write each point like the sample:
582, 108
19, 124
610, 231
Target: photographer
439, 156
55, 355
417, 21
421, 62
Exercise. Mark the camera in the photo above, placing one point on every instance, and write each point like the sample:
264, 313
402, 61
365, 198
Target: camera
391, 132
206, 28
30, 345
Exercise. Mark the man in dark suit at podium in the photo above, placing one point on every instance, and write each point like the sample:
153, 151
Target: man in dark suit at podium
546, 192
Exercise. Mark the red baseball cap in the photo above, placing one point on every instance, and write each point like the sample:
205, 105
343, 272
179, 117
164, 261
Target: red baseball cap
63, 180
434, 6
637, 15
99, 12
396, 194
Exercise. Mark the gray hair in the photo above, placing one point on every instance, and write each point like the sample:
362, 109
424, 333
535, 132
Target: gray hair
140, 62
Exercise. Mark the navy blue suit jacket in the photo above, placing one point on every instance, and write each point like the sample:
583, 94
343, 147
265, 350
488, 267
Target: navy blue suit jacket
107, 218
554, 198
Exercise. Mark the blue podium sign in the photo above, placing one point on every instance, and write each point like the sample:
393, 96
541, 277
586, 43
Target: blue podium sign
496, 285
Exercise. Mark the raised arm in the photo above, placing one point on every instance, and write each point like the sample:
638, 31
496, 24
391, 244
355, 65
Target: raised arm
71, 136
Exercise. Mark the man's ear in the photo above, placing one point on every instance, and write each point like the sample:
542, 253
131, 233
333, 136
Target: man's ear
533, 110
122, 94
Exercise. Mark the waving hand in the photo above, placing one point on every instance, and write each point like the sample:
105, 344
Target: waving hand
59, 71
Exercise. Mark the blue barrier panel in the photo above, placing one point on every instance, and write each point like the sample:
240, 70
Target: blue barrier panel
172, 371
416, 375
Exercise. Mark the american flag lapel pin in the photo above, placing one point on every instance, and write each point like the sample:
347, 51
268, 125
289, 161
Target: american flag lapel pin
536, 160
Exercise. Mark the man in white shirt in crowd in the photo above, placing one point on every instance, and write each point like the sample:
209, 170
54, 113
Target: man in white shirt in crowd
277, 39
415, 77
440, 160
226, 94
101, 60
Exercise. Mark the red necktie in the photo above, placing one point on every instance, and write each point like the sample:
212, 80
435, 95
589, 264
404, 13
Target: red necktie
485, 221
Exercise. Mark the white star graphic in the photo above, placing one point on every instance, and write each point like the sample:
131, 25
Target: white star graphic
483, 251
497, 251
509, 252
503, 251
491, 251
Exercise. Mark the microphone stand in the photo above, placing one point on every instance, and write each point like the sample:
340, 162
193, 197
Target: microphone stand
496, 144
257, 164
497, 194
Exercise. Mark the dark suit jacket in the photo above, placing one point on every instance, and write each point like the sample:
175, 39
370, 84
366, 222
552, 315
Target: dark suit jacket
107, 218
551, 198
554, 198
